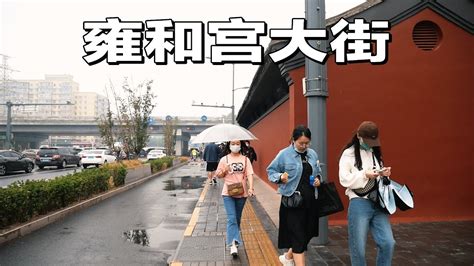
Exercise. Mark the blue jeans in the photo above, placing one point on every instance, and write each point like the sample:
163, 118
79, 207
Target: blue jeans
363, 215
233, 208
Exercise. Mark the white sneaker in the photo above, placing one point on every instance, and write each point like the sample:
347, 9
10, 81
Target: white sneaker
285, 261
233, 250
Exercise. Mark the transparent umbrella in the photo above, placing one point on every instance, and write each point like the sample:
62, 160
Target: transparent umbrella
222, 133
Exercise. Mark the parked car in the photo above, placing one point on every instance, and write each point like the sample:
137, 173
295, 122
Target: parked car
144, 152
14, 161
155, 154
97, 157
30, 153
57, 156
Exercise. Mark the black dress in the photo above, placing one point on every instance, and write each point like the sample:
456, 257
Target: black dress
299, 225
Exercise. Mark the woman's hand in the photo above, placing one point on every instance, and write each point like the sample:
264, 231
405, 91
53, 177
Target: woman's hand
228, 168
371, 174
317, 182
251, 192
284, 177
387, 171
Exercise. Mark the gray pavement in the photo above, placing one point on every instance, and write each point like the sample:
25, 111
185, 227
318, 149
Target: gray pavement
206, 244
141, 226
427, 243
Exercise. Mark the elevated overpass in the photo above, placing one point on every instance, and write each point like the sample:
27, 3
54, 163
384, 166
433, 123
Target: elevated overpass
29, 133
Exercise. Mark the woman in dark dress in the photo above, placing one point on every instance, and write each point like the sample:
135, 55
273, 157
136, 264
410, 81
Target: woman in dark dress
291, 170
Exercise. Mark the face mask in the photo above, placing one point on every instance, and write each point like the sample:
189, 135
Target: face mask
364, 146
235, 148
300, 151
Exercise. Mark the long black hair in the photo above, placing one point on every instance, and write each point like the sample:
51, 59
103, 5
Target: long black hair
358, 161
227, 148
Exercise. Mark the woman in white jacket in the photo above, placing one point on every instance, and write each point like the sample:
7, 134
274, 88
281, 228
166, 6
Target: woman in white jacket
360, 166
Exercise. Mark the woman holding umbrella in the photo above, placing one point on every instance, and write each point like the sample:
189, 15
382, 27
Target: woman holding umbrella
236, 170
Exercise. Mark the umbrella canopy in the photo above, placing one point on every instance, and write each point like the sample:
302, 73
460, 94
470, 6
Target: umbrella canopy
223, 132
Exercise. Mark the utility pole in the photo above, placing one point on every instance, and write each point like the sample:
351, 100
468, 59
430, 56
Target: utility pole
5, 68
232, 107
9, 117
316, 94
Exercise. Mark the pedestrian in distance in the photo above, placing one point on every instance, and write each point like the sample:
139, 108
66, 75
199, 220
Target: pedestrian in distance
236, 170
249, 151
360, 167
194, 154
211, 156
296, 171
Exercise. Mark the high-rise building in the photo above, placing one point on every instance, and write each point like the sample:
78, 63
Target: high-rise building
89, 105
54, 89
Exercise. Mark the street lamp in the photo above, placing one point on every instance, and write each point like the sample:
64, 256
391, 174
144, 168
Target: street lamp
232, 107
9, 117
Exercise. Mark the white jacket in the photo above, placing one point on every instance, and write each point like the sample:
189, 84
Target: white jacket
349, 175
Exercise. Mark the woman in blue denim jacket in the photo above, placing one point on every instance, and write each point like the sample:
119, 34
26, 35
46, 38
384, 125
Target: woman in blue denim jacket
291, 170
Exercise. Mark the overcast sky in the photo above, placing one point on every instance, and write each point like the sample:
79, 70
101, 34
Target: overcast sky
45, 37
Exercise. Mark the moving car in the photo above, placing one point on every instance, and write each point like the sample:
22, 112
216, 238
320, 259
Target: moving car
57, 156
97, 157
155, 154
14, 161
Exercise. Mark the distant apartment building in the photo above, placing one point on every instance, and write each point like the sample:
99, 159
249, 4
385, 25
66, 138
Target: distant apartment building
57, 90
89, 105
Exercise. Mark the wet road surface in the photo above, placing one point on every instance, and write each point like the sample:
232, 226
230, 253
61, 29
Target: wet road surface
141, 226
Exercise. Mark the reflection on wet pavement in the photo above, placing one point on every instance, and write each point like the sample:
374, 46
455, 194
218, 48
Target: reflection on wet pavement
139, 237
163, 237
184, 182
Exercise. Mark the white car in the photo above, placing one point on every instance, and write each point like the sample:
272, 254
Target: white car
155, 154
96, 157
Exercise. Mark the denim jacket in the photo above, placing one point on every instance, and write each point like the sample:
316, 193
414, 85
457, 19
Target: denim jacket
288, 160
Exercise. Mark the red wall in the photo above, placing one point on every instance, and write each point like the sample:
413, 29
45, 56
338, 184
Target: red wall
273, 133
423, 103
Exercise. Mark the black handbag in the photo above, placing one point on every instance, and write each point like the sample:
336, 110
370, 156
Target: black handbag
329, 200
293, 201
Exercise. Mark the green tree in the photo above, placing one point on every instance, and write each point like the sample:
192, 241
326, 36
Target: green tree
106, 127
169, 129
134, 109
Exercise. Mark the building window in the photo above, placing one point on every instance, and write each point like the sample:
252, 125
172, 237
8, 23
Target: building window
427, 35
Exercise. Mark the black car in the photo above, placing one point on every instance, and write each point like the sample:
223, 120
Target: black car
60, 157
14, 161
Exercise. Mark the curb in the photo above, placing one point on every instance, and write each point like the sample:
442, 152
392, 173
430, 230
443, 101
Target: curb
53, 217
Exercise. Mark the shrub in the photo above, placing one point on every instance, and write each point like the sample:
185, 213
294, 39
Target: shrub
183, 159
131, 163
161, 164
22, 200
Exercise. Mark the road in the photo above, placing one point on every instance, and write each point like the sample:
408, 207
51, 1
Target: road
37, 174
137, 227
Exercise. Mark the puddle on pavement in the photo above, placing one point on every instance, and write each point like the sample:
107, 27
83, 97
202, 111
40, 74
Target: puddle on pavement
164, 237
184, 182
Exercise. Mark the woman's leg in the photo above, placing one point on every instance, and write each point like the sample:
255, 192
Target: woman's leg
383, 237
233, 232
299, 259
239, 208
359, 214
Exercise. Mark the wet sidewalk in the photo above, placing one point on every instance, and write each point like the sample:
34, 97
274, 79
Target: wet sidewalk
203, 243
